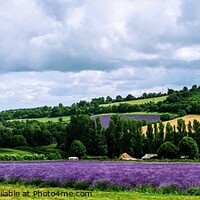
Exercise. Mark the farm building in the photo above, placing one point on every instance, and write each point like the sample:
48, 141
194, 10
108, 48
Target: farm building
126, 156
149, 156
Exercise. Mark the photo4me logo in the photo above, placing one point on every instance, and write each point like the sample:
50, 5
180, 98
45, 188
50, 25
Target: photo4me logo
9, 193
38, 193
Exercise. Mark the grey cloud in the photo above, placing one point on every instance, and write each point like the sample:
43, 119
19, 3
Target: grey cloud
33, 89
66, 50
79, 35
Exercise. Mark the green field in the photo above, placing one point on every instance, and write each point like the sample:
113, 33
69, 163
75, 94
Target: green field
138, 101
134, 113
27, 192
45, 119
29, 150
9, 151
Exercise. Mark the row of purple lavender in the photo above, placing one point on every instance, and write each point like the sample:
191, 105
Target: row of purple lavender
127, 174
105, 119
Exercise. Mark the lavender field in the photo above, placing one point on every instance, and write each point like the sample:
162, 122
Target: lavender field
105, 119
127, 174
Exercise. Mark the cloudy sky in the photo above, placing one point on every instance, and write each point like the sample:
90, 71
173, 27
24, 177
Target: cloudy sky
54, 51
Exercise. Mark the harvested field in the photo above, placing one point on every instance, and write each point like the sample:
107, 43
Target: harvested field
173, 122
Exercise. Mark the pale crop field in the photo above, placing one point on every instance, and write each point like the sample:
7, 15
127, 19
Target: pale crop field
173, 122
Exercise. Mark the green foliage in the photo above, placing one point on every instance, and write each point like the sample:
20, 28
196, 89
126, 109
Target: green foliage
7, 157
165, 117
81, 127
53, 156
193, 191
189, 148
168, 150
12, 180
35, 182
101, 185
169, 136
145, 188
181, 112
170, 189
50, 183
69, 183
95, 157
81, 185
18, 140
100, 139
77, 149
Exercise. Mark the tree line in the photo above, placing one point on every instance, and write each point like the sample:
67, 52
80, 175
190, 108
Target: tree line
127, 135
182, 102
122, 135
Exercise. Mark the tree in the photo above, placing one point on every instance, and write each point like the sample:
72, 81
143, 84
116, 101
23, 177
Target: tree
150, 137
113, 136
169, 136
168, 150
160, 132
77, 148
165, 117
131, 140
108, 99
188, 147
181, 127
81, 127
181, 112
129, 97
18, 140
100, 139
144, 95
156, 141
119, 98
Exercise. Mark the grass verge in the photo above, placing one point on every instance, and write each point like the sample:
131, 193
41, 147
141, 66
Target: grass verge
32, 192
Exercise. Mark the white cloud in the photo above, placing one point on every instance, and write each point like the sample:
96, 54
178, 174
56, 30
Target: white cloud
188, 53
33, 89
75, 35
66, 50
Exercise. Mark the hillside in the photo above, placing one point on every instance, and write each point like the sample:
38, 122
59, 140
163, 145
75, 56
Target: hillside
138, 101
45, 119
9, 151
173, 122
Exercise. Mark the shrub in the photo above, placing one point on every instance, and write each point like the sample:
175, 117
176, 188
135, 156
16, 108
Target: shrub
50, 183
193, 191
181, 112
18, 140
170, 189
95, 157
53, 156
145, 188
62, 147
189, 148
35, 182
77, 149
117, 188
165, 117
12, 180
14, 157
81, 185
168, 150
69, 183
101, 185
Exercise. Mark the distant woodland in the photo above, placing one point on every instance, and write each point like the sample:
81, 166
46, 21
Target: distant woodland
84, 136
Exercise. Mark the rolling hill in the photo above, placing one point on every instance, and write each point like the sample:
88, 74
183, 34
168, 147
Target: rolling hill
138, 101
173, 122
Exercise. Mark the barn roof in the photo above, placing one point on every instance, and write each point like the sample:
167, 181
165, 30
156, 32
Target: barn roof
125, 155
